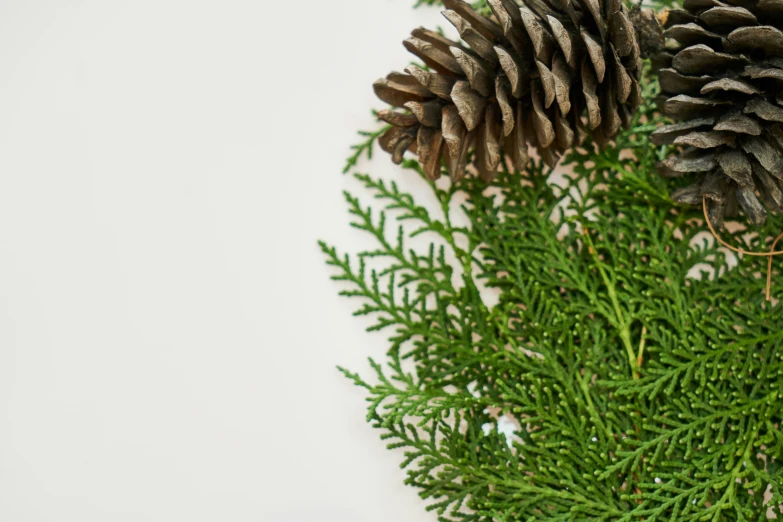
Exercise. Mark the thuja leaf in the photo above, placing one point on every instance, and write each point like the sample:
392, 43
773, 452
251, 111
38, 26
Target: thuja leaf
363, 148
481, 5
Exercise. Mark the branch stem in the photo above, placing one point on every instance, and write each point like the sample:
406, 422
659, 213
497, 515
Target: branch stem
623, 325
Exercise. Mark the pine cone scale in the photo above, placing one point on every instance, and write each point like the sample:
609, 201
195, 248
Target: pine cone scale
427, 113
667, 134
772, 187
728, 16
683, 106
397, 119
764, 110
765, 154
437, 59
687, 162
622, 33
747, 199
765, 37
736, 166
738, 123
562, 38
758, 73
503, 93
490, 30
729, 84
673, 82
456, 136
707, 140
701, 59
398, 94
469, 104
693, 34
439, 85
477, 42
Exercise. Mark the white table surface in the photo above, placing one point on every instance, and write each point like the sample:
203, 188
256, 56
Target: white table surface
168, 332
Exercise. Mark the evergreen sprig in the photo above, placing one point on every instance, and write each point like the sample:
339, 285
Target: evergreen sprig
480, 5
637, 363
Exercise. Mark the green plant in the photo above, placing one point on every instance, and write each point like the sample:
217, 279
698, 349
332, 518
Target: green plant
479, 5
640, 367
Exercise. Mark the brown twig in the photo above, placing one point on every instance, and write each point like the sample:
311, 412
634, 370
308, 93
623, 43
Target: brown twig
772, 253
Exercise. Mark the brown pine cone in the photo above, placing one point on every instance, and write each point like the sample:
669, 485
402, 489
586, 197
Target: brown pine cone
723, 82
545, 73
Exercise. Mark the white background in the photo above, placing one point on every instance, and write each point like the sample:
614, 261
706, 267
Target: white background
168, 331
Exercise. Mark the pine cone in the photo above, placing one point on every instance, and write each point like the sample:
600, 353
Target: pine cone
546, 73
723, 82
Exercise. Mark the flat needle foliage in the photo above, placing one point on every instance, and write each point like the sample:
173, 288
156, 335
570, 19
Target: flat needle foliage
571, 351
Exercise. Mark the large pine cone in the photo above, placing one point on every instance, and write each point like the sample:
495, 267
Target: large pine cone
546, 74
723, 82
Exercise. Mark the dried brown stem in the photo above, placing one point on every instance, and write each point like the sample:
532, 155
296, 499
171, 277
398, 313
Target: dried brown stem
772, 253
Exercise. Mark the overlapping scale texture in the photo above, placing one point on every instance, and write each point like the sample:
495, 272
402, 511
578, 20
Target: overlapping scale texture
542, 74
722, 77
